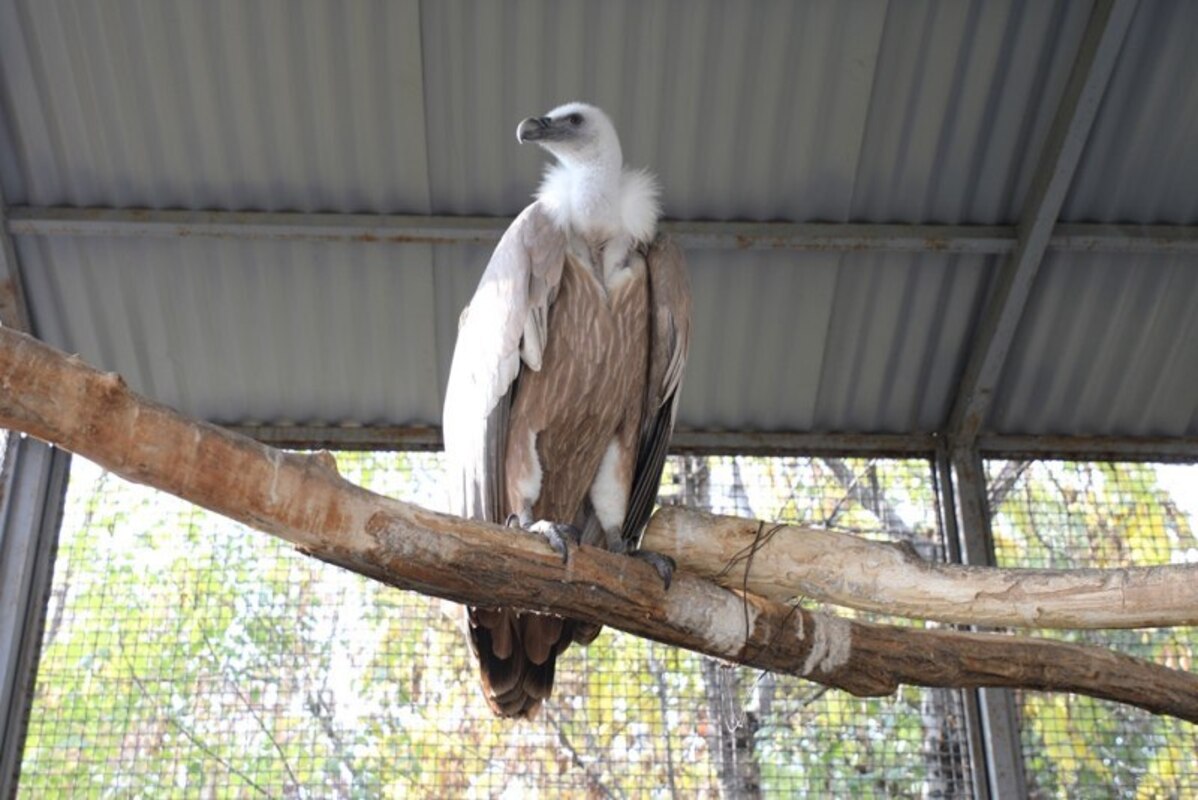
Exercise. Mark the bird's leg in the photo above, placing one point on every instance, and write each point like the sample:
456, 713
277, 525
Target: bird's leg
664, 565
524, 471
659, 561
559, 535
609, 498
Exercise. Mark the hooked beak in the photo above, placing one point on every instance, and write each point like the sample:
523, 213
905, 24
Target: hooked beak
538, 129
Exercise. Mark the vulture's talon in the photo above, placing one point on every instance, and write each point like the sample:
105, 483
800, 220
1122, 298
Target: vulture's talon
664, 565
559, 535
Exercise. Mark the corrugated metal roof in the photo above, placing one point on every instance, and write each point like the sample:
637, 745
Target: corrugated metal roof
1139, 164
368, 329
261, 331
818, 111
827, 342
270, 105
962, 93
813, 111
1107, 344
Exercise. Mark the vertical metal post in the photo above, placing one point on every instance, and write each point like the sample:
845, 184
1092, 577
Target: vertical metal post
995, 748
34, 482
942, 474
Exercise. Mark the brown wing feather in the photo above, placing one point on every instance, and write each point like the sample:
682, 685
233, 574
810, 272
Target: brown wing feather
503, 332
500, 331
670, 307
517, 651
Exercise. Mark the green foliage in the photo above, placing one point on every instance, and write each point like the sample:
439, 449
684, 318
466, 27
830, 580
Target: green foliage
1068, 515
186, 656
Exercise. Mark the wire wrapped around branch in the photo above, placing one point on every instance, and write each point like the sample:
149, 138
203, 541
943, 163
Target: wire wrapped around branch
785, 561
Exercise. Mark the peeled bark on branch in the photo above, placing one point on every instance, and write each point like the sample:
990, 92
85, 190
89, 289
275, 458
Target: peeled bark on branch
302, 499
785, 561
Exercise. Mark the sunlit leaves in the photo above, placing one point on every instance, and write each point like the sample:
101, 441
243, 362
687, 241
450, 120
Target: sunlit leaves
185, 656
1069, 515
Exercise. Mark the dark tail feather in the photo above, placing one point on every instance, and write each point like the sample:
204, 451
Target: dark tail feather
515, 686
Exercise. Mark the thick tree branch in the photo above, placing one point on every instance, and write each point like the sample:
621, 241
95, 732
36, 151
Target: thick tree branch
784, 561
302, 499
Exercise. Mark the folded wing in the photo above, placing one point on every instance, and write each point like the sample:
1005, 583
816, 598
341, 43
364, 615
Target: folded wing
670, 325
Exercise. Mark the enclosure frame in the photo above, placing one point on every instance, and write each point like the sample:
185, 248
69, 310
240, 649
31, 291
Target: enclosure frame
35, 480
35, 475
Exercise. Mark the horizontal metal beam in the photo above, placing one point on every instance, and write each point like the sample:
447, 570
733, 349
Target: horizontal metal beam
372, 228
1090, 448
1092, 68
119, 222
400, 229
319, 437
801, 443
842, 237
1129, 239
684, 441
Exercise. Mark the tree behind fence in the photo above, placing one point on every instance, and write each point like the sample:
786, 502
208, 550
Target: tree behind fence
184, 654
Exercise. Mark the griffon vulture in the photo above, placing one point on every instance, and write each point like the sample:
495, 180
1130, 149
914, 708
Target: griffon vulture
564, 384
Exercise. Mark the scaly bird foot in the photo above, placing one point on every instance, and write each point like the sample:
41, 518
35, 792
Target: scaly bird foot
559, 535
662, 563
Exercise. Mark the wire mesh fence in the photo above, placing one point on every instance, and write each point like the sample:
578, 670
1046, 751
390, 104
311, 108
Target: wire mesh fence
187, 656
1067, 515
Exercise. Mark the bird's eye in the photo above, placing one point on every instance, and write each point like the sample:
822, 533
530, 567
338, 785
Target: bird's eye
575, 119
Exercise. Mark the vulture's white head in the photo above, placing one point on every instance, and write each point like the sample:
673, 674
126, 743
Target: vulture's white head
589, 190
578, 134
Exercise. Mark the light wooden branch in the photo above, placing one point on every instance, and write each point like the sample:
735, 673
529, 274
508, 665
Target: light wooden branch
785, 561
302, 499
